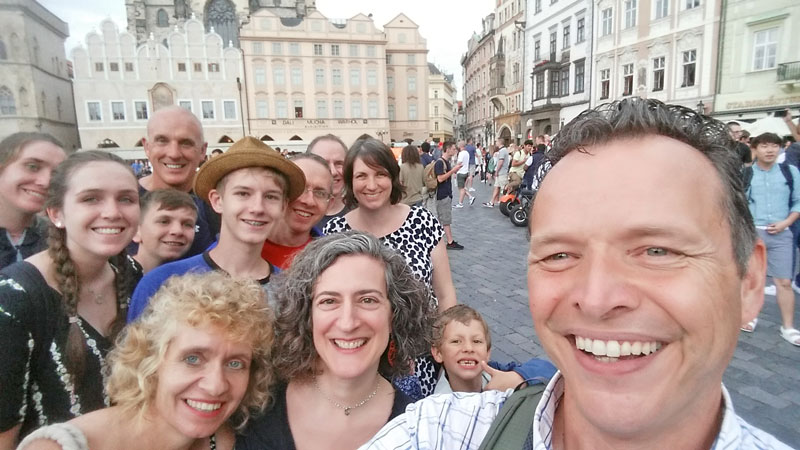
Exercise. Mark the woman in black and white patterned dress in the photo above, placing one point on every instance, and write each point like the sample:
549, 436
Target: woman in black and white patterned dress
372, 178
60, 309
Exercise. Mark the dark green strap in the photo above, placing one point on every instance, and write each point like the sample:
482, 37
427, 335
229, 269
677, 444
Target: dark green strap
514, 422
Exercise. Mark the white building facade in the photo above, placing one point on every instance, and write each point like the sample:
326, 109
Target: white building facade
662, 49
119, 84
558, 64
441, 104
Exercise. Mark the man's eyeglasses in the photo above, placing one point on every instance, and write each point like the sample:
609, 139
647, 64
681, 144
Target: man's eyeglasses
319, 194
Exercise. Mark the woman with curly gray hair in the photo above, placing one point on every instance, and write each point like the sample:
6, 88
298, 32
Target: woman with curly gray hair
351, 316
194, 366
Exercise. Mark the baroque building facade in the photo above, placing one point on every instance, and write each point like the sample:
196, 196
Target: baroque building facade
118, 85
441, 104
35, 91
505, 90
558, 62
478, 114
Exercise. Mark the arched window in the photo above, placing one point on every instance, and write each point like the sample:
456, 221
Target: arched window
3, 54
266, 137
162, 18
295, 138
225, 140
7, 105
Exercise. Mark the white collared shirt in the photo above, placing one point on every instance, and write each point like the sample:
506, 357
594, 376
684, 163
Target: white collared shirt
459, 421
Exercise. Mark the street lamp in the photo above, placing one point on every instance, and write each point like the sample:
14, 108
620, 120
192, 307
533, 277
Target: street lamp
701, 107
382, 133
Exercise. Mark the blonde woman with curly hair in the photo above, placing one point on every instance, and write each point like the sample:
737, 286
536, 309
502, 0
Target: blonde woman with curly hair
193, 368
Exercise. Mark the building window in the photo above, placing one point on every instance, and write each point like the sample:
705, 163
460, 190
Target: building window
3, 54
765, 49
260, 75
658, 74
662, 8
372, 109
338, 109
372, 77
95, 113
141, 110
98, 67
298, 109
258, 48
540, 85
280, 109
355, 109
555, 77
435, 111
114, 67
565, 81
198, 67
277, 48
355, 77
353, 49
318, 49
162, 18
690, 4
435, 126
279, 75
213, 67
334, 49
538, 6
689, 61
605, 22
579, 75
412, 111
537, 50
390, 83
371, 51
630, 13
8, 107
627, 79
208, 109
388, 58
297, 76
185, 104
319, 76
128, 67
553, 39
580, 34
229, 109
412, 84
412, 59
322, 109
261, 109
117, 111
336, 77
391, 112
605, 83
294, 48
181, 67
435, 93
565, 40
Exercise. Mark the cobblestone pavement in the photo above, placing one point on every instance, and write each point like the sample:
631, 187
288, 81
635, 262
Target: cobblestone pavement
490, 275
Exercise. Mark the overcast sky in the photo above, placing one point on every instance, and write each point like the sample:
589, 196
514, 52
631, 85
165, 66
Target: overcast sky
446, 24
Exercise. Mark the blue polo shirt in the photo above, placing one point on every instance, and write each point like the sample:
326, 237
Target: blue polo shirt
768, 195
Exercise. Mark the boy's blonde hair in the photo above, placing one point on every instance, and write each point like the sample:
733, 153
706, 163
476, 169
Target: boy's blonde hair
463, 314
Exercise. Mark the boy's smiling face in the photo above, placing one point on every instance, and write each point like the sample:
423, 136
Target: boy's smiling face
462, 349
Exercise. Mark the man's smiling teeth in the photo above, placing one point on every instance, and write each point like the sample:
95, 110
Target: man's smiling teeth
254, 223
108, 230
34, 193
174, 166
610, 351
203, 406
349, 345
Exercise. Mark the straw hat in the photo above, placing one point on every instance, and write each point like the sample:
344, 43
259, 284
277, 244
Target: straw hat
247, 152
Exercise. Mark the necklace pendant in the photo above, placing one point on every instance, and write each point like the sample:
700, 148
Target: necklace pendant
347, 411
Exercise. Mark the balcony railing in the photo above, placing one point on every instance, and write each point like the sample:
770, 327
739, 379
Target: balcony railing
495, 91
789, 71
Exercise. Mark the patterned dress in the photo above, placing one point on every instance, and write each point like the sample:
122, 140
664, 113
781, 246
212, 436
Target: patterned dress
36, 389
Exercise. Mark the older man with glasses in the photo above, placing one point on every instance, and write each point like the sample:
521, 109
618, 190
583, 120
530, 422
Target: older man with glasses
297, 228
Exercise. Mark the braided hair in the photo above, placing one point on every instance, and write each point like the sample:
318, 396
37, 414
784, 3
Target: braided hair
65, 271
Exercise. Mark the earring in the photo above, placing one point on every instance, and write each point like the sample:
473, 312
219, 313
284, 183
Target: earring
58, 224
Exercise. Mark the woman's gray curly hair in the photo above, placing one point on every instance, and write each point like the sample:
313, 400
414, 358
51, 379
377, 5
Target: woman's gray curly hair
412, 311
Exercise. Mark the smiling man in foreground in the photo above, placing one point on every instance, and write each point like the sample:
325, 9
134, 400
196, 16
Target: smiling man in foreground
643, 262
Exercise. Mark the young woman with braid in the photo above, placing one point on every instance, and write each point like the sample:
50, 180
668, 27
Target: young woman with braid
61, 309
